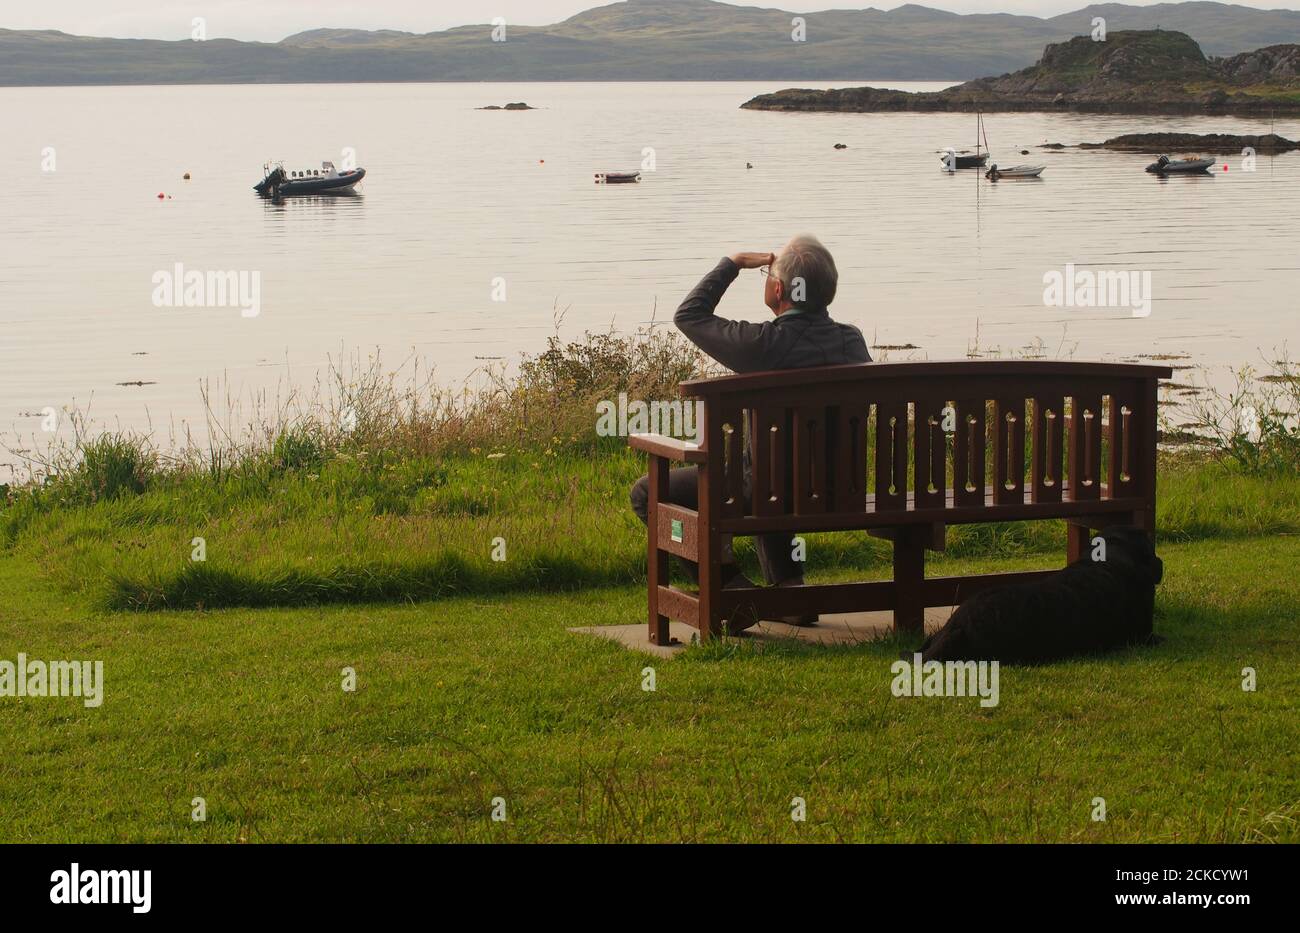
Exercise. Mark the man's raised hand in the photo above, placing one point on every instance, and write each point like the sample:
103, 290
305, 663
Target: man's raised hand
753, 260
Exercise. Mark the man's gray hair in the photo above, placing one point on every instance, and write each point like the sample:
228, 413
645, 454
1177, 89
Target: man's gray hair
806, 261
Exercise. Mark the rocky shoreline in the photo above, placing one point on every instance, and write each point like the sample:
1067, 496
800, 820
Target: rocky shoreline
1177, 142
1139, 71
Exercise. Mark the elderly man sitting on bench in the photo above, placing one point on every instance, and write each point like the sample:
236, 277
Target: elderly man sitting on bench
799, 285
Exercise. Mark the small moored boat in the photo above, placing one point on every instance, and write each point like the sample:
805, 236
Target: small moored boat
1014, 171
1167, 166
966, 161
617, 178
955, 160
325, 180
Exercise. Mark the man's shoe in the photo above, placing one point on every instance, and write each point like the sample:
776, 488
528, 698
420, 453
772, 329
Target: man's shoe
805, 619
745, 616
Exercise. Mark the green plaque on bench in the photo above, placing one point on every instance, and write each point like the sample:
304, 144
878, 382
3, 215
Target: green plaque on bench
676, 533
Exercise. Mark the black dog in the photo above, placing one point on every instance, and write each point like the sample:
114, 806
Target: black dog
1088, 607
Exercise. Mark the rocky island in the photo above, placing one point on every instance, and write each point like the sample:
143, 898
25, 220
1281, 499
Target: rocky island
1132, 71
1201, 142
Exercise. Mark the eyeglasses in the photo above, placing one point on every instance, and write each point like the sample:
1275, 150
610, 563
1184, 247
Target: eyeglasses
766, 270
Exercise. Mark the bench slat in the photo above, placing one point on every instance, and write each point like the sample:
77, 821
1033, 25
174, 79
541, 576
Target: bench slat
915, 372
769, 461
1009, 450
733, 462
870, 596
688, 523
1048, 439
678, 604
1123, 465
968, 457
1085, 429
671, 447
929, 455
952, 514
810, 455
891, 456
847, 457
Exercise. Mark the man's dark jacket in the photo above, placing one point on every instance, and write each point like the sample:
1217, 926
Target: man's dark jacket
799, 338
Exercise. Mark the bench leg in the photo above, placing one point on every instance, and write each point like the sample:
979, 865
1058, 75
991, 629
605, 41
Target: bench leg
1146, 520
656, 559
909, 577
710, 622
1078, 542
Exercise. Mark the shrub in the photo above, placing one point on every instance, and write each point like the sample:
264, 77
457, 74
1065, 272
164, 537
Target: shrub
301, 447
110, 465
1255, 426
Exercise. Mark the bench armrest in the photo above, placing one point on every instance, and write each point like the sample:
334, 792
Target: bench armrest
670, 447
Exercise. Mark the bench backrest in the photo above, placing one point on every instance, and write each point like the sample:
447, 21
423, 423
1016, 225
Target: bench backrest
922, 436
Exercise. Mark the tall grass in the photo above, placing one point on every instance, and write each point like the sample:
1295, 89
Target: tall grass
373, 489
1255, 425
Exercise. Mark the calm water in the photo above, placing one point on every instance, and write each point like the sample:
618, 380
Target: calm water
457, 197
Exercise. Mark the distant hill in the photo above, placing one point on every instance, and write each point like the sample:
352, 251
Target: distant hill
644, 40
1133, 71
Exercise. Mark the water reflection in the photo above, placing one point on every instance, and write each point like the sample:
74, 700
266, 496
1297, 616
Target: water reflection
323, 203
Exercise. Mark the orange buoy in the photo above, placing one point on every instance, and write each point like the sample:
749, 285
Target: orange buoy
161, 195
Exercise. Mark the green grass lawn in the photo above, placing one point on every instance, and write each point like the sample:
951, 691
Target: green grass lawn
461, 700
371, 542
376, 527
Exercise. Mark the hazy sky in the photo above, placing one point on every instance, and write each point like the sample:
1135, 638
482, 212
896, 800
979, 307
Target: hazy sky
271, 20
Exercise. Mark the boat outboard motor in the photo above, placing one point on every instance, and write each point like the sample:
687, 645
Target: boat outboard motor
1162, 161
273, 182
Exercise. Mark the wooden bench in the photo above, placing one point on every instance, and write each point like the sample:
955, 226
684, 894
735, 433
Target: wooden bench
863, 446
